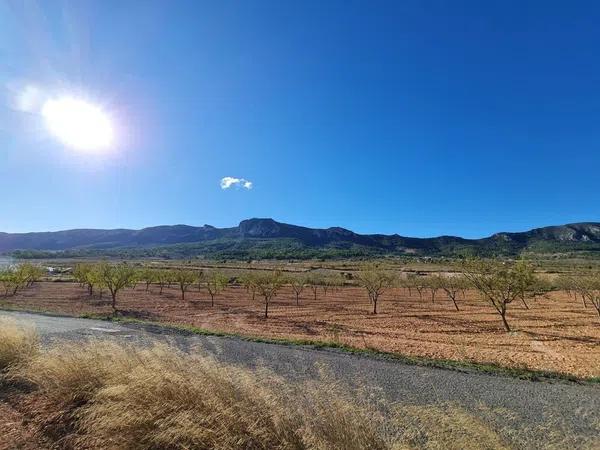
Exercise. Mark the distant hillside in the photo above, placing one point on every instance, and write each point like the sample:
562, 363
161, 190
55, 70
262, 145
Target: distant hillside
266, 238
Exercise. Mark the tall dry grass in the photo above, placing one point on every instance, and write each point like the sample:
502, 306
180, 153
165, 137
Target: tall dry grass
18, 343
103, 395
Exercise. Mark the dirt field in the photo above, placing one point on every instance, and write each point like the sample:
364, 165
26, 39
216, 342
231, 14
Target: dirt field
556, 334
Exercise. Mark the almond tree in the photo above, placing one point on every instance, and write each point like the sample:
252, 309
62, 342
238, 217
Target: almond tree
419, 285
581, 285
375, 281
314, 283
82, 274
434, 284
199, 279
298, 285
328, 284
568, 284
249, 282
408, 282
215, 284
184, 278
163, 278
526, 277
11, 281
148, 276
267, 286
452, 285
115, 277
589, 288
500, 283
30, 273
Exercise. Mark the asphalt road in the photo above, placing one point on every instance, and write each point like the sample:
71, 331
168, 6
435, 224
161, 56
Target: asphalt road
533, 404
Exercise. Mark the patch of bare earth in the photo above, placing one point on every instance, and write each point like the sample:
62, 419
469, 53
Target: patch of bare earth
555, 334
16, 432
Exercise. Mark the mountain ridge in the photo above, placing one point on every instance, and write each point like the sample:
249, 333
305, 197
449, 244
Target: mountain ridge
258, 232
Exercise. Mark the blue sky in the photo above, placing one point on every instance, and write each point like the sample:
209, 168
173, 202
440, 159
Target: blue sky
420, 117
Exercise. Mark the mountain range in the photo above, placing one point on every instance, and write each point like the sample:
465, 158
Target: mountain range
267, 238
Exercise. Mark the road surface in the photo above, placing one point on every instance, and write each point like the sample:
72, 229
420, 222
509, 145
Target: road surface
576, 406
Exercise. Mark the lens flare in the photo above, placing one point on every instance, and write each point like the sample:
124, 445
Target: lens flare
78, 123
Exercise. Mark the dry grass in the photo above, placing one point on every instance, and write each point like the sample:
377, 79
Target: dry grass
17, 344
104, 395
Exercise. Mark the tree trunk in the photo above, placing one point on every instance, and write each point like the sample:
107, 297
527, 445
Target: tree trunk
182, 293
374, 306
114, 302
455, 305
524, 302
504, 322
266, 309
212, 299
161, 289
297, 299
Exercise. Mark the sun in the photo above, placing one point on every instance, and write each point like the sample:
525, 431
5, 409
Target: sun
78, 124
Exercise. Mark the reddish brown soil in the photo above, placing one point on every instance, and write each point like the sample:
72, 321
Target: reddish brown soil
556, 334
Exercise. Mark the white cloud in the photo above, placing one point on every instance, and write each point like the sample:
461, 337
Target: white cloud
228, 182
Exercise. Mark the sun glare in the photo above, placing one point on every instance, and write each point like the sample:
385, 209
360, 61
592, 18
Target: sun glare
78, 124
